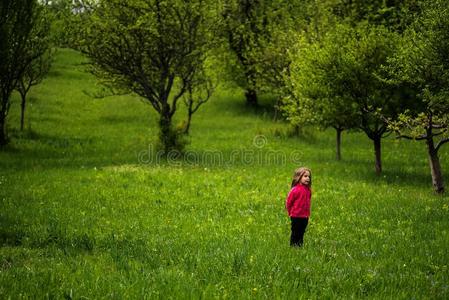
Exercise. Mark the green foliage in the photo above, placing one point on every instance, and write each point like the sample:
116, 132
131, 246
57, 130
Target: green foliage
395, 15
422, 61
63, 30
335, 82
259, 34
311, 98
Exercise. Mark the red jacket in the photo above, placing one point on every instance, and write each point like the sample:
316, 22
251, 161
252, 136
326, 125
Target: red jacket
298, 201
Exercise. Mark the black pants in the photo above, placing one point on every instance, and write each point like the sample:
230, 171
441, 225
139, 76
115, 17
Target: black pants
298, 228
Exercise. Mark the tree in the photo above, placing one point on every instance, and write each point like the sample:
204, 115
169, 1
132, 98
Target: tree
152, 48
258, 34
244, 29
197, 95
39, 50
68, 19
17, 18
339, 82
313, 99
423, 62
33, 75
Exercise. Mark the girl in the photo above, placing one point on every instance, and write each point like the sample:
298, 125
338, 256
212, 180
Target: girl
298, 204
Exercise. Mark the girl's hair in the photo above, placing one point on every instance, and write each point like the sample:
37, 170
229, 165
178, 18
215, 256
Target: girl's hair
298, 175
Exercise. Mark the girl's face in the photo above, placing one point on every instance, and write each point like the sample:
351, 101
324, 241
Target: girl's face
305, 179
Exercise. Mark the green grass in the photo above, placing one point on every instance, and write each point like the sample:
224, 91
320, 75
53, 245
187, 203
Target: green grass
87, 210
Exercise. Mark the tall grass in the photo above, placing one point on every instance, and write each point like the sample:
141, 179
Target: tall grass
89, 211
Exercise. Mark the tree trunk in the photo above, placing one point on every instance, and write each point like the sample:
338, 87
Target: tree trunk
338, 154
3, 135
378, 154
296, 130
187, 127
251, 97
167, 136
435, 167
4, 105
189, 117
276, 109
22, 112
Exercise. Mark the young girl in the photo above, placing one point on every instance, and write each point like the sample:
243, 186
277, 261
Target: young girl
298, 204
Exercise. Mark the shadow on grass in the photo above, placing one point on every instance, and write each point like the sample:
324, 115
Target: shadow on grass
128, 119
400, 177
237, 105
17, 238
51, 140
46, 152
362, 170
119, 248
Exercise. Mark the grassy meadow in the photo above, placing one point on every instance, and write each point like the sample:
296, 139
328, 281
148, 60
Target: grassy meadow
88, 210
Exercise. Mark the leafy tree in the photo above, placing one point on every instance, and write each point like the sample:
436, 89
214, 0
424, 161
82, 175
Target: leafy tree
313, 97
152, 48
39, 50
396, 15
243, 30
17, 18
338, 82
423, 63
258, 33
67, 20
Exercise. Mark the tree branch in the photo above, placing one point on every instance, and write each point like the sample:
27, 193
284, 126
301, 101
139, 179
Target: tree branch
408, 137
100, 95
441, 143
201, 101
177, 96
439, 126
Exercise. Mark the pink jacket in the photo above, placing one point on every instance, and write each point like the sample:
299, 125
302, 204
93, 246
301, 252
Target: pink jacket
298, 201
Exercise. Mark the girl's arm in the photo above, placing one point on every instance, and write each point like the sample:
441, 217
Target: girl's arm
290, 199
